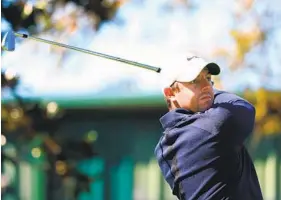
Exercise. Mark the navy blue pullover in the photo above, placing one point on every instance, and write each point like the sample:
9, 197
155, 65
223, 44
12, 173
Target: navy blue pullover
202, 156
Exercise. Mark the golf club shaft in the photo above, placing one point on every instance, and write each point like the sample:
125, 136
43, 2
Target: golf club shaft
156, 69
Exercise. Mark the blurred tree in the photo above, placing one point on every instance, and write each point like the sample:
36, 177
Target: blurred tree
268, 113
245, 41
29, 15
253, 32
32, 129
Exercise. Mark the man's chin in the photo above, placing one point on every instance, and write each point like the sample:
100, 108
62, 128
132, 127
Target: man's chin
205, 106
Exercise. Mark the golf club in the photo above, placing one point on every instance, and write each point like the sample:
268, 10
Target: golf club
8, 44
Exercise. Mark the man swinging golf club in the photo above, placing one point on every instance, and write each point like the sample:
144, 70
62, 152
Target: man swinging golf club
201, 152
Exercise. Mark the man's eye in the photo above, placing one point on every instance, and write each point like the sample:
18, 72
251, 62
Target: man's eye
197, 81
194, 81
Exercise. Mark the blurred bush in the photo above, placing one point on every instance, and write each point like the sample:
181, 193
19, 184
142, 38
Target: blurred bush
268, 112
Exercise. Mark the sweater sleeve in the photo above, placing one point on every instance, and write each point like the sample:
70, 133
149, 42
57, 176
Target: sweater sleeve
243, 114
240, 117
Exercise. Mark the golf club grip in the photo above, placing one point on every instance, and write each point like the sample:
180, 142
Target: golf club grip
156, 69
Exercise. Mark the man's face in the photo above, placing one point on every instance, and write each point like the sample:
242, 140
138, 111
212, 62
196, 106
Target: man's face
196, 96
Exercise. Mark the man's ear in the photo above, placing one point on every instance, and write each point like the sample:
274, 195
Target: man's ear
168, 92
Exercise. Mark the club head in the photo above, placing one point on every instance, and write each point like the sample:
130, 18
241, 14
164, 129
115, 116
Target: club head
8, 42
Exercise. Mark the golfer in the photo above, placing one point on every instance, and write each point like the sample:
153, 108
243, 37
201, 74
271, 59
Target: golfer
201, 152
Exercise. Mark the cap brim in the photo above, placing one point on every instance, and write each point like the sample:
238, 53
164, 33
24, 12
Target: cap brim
213, 68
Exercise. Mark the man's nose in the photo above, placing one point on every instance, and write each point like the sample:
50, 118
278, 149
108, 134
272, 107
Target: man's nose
205, 84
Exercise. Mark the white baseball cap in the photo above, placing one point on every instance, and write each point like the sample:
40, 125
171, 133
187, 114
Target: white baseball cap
187, 69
